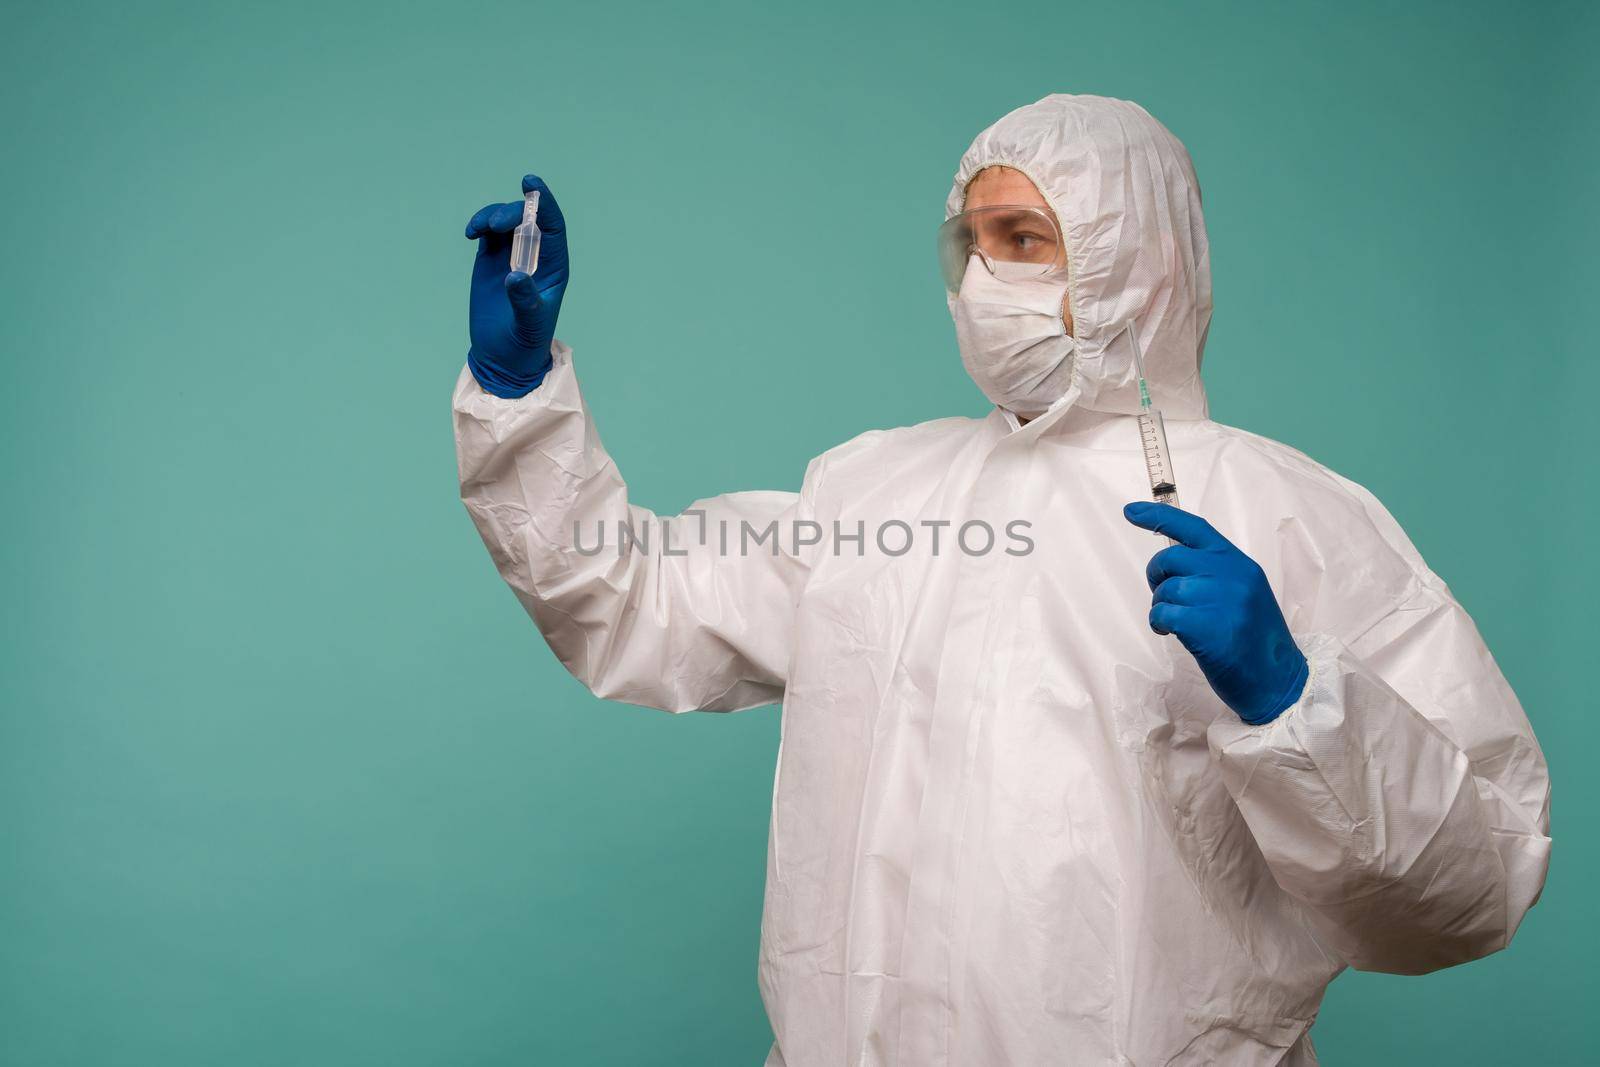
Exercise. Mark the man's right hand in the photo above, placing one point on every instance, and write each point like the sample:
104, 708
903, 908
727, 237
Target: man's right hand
512, 316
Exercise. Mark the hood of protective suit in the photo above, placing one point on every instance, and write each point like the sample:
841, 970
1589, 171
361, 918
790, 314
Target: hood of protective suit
1125, 194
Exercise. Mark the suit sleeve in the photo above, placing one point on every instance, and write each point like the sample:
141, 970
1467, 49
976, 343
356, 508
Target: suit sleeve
692, 612
1404, 800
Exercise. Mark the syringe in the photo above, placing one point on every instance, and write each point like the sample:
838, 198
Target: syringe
525, 238
1153, 436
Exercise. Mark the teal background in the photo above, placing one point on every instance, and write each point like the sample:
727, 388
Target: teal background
286, 777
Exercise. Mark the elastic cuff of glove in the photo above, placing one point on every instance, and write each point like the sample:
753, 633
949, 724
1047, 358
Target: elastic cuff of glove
504, 386
1291, 696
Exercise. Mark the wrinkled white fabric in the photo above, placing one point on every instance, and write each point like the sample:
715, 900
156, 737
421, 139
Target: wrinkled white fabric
1010, 824
1012, 338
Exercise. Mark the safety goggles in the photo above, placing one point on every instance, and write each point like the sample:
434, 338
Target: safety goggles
1016, 243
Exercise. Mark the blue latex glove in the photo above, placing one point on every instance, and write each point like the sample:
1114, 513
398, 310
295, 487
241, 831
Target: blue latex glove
1216, 600
513, 315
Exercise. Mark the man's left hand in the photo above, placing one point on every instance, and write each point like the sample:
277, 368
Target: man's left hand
1216, 600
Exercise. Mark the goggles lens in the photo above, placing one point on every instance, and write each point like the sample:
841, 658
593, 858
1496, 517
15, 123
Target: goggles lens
1016, 243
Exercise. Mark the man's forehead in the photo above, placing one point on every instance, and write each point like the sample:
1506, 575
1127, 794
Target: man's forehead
1002, 185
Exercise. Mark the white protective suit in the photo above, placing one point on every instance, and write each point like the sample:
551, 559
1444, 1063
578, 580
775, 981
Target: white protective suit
1010, 824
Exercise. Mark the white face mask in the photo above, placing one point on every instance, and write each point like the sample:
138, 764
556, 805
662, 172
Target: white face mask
1012, 338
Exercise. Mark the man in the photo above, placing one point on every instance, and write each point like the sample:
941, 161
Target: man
1067, 798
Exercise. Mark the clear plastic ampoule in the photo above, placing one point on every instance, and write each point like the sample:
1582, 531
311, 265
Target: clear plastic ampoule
525, 238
